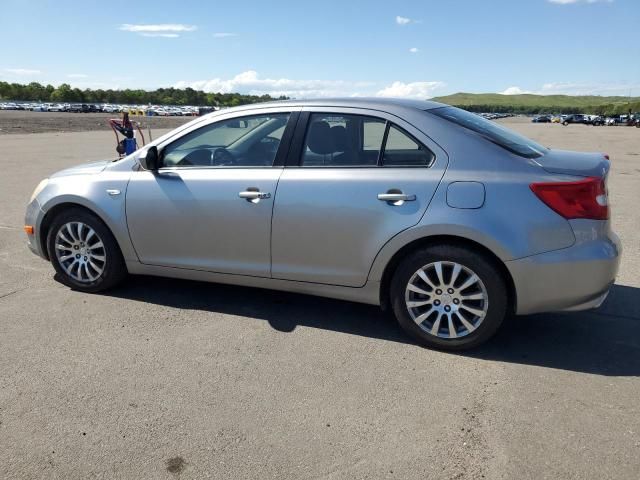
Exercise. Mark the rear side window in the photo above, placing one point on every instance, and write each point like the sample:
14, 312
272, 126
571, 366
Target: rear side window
335, 140
501, 136
401, 150
342, 140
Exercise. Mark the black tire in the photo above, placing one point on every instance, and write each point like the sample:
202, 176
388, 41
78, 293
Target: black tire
483, 267
565, 123
114, 270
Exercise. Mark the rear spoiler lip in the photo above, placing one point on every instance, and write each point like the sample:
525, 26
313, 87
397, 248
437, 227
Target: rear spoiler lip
579, 164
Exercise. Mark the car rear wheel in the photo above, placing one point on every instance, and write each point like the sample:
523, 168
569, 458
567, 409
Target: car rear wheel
448, 297
84, 252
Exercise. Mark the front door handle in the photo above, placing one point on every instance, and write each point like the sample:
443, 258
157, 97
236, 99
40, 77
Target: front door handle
254, 195
396, 198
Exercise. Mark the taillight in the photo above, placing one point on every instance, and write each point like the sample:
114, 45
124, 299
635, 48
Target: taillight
582, 199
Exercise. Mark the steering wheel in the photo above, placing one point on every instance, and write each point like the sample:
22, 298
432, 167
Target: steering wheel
222, 157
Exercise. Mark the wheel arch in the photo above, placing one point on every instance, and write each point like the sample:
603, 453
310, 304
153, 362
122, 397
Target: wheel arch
445, 239
54, 211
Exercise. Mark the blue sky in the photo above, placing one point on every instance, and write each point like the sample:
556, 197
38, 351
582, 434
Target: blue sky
413, 48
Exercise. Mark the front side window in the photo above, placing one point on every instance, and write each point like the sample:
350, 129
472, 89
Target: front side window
336, 140
251, 141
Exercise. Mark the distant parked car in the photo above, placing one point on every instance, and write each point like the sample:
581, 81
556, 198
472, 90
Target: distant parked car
75, 108
137, 110
56, 107
350, 199
573, 119
595, 120
623, 120
40, 108
541, 119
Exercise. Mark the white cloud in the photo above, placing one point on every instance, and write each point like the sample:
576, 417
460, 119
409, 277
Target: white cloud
569, 2
251, 83
419, 90
23, 71
162, 35
402, 20
414, 50
166, 30
514, 91
224, 34
77, 75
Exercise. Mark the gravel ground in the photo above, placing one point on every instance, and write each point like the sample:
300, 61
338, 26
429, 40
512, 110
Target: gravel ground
177, 379
20, 121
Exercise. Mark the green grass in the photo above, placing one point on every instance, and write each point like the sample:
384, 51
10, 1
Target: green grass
529, 103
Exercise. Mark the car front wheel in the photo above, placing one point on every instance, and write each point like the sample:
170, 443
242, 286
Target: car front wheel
84, 252
448, 297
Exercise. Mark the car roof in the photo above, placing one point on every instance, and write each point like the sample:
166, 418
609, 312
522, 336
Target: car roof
374, 103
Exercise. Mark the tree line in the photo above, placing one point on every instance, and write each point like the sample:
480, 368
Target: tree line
605, 109
37, 92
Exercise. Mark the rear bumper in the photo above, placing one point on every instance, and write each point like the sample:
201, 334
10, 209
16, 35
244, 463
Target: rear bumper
571, 279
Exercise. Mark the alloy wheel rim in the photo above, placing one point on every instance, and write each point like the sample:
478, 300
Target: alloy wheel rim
80, 252
446, 300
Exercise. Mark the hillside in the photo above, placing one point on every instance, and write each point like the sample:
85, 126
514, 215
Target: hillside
529, 103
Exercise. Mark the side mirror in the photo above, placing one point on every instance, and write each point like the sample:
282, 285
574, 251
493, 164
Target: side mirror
149, 159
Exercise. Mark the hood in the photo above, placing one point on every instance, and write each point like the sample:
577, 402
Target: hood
574, 163
83, 169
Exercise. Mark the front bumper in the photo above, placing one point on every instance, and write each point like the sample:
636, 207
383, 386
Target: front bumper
570, 279
33, 217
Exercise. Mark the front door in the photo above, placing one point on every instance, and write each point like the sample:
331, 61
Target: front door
209, 206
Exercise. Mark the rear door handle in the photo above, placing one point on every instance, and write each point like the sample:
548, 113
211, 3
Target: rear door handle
396, 197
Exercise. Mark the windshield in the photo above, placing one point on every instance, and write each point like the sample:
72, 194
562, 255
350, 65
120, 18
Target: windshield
492, 131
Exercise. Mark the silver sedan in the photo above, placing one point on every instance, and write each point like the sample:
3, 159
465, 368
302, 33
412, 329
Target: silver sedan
447, 219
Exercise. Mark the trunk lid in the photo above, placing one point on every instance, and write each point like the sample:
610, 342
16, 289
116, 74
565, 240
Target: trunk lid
574, 163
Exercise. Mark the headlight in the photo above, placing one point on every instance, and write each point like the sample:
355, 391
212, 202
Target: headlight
38, 189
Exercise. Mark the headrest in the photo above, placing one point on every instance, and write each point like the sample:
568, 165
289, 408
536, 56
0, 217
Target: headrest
339, 137
320, 139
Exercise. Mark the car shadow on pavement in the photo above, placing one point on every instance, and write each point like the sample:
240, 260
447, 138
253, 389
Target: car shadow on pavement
603, 342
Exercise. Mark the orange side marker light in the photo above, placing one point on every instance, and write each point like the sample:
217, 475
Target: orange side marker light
28, 229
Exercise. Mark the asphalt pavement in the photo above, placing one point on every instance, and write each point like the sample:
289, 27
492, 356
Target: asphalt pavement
169, 379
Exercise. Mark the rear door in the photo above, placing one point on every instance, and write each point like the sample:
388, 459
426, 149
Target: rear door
357, 178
